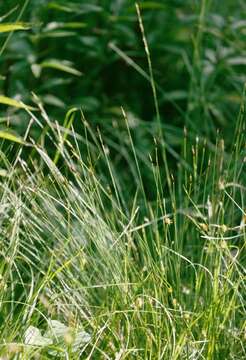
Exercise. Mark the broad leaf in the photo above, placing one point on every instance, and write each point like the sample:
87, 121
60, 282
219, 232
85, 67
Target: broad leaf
62, 333
33, 337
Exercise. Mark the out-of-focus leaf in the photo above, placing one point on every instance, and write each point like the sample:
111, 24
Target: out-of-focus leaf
53, 34
233, 97
36, 70
239, 24
89, 40
133, 119
3, 173
53, 100
75, 7
237, 61
176, 95
11, 137
54, 25
65, 66
150, 5
55, 82
13, 27
8, 13
88, 103
15, 103
60, 7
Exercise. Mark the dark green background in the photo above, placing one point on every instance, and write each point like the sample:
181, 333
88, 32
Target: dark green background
199, 86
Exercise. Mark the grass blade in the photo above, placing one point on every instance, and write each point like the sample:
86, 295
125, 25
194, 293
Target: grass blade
14, 103
11, 137
13, 27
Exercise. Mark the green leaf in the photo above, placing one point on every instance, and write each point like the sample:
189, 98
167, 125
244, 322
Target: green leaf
13, 27
53, 100
54, 25
9, 136
67, 124
176, 95
75, 7
53, 34
15, 103
61, 65
8, 13
150, 5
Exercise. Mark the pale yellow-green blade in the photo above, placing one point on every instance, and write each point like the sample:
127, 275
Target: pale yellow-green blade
15, 103
11, 137
13, 27
60, 65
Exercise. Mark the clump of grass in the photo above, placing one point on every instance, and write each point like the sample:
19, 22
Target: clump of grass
159, 278
143, 263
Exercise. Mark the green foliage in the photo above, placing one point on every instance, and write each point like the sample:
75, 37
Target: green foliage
197, 51
122, 182
129, 277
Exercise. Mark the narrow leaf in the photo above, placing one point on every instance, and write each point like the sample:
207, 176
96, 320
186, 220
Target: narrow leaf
74, 7
8, 136
54, 25
150, 5
64, 66
15, 103
13, 27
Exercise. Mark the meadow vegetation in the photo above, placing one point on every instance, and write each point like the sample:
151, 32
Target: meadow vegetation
122, 180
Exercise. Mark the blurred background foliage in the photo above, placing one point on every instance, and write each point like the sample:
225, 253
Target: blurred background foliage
82, 54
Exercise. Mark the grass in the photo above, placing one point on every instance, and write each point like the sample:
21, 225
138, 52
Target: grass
160, 279
125, 240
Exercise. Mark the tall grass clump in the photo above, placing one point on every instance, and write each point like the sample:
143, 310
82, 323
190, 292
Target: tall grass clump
93, 269
122, 235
